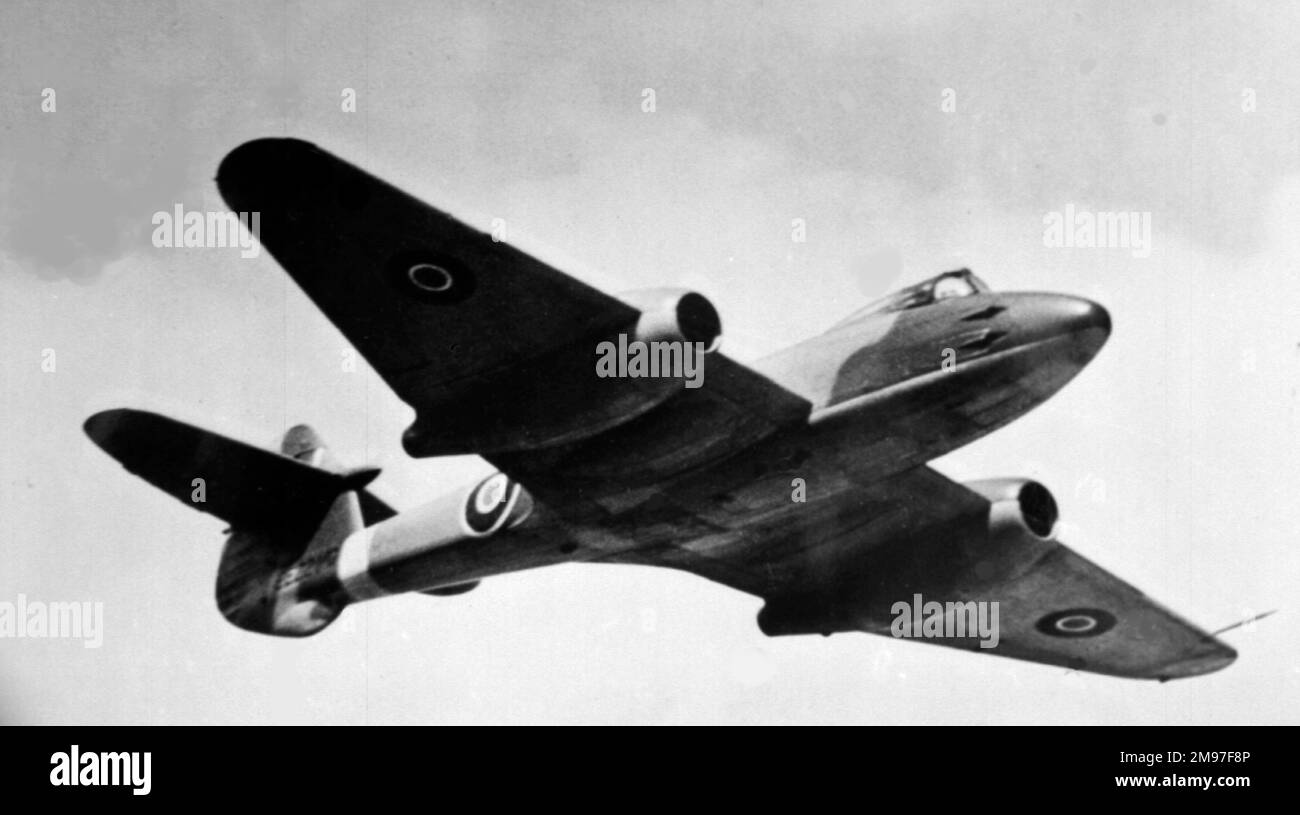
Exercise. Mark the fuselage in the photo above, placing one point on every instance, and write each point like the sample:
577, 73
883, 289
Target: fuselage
888, 391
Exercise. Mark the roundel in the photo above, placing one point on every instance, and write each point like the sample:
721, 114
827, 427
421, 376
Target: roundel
488, 505
429, 278
1076, 622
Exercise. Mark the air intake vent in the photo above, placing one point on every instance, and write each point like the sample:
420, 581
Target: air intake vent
982, 341
984, 313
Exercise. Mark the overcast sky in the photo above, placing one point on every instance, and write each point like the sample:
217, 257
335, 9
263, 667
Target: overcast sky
1173, 456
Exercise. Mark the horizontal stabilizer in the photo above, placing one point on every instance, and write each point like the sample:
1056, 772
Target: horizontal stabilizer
249, 487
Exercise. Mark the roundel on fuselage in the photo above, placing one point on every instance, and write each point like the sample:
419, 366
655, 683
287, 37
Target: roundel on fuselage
488, 505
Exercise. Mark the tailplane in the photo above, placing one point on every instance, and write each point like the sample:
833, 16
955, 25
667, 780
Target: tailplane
289, 513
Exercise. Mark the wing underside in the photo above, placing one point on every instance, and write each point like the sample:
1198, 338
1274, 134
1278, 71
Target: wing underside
494, 349
918, 538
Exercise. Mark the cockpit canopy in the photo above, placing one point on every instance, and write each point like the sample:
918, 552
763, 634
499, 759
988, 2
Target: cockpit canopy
959, 283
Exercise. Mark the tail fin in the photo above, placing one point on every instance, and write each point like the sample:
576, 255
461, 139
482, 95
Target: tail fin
288, 513
305, 444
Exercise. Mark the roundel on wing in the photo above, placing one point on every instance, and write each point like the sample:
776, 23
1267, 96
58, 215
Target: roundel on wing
430, 277
1076, 622
488, 505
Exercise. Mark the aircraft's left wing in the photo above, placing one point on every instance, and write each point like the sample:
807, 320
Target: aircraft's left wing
917, 538
466, 329
1066, 610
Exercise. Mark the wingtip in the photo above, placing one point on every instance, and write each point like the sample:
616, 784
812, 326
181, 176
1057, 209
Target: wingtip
120, 431
101, 426
1215, 657
258, 158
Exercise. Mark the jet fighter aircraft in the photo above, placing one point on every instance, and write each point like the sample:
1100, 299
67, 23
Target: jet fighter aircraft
801, 479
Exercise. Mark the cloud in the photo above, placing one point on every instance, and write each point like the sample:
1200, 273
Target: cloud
75, 206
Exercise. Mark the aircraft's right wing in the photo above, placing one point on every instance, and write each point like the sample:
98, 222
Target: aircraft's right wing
494, 349
429, 301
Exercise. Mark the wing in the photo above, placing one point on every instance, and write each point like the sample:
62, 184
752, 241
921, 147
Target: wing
474, 334
918, 537
350, 240
1067, 610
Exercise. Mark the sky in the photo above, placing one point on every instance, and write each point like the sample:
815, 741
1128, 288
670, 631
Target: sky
1172, 456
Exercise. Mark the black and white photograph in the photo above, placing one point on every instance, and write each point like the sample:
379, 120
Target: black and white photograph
650, 363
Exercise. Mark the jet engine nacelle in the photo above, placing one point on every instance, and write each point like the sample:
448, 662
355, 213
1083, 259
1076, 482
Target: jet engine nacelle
965, 558
675, 315
582, 388
1021, 527
1018, 505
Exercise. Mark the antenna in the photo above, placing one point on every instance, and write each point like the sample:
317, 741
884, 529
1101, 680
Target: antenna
1243, 622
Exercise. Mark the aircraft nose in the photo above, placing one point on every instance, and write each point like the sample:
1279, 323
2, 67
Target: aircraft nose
1084, 315
1087, 322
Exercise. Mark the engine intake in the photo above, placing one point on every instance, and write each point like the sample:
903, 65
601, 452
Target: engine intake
675, 315
1027, 505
